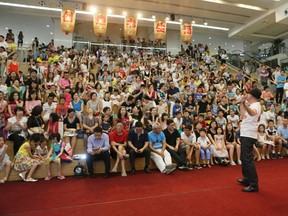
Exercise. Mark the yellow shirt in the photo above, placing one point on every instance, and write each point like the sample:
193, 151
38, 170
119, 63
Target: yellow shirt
11, 47
52, 60
23, 150
38, 60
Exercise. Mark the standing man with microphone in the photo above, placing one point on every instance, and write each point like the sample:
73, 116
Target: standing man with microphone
250, 111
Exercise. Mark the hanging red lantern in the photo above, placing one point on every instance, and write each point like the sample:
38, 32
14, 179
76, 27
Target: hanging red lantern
68, 21
100, 24
130, 27
159, 30
186, 33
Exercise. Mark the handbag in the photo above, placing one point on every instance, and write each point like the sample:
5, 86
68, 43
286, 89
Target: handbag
67, 153
35, 129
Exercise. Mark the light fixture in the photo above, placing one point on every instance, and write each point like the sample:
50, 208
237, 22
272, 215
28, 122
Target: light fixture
125, 13
246, 6
251, 7
211, 27
51, 33
153, 17
6, 28
146, 19
180, 20
167, 18
93, 9
205, 22
193, 21
209, 38
173, 22
42, 3
109, 11
48, 26
116, 16
139, 15
76, 7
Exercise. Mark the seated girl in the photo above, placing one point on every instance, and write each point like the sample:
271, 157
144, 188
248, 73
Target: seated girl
56, 150
25, 162
220, 152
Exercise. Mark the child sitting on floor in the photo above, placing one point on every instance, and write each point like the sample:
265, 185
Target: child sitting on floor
4, 160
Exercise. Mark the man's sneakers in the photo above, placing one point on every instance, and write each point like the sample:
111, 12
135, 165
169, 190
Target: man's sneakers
169, 168
279, 155
183, 167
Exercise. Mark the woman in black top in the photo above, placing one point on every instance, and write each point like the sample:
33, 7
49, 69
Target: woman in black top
71, 125
190, 105
35, 123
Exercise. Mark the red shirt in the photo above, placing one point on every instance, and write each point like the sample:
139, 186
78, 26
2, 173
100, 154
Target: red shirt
114, 137
53, 127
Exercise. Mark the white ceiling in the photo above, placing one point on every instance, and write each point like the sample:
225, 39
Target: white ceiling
246, 24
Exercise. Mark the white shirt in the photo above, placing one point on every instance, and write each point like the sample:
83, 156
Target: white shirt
203, 141
249, 125
4, 44
286, 89
190, 139
234, 120
49, 109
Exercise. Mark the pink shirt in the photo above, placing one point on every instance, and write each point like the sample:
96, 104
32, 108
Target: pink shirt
64, 83
31, 104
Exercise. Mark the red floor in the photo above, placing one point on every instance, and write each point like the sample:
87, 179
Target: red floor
202, 192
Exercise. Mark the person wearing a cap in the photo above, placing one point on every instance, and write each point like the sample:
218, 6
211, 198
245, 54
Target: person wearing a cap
250, 110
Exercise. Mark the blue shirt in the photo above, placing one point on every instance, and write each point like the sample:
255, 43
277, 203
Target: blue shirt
283, 132
280, 78
94, 143
156, 139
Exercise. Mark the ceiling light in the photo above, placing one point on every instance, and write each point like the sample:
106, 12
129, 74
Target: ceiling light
167, 18
211, 27
116, 16
109, 11
181, 20
251, 7
6, 28
48, 26
215, 1
29, 6
139, 15
209, 38
153, 17
51, 33
124, 13
205, 22
93, 9
146, 19
193, 21
173, 22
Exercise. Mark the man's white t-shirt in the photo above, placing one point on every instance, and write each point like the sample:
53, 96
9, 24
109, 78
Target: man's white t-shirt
190, 139
249, 125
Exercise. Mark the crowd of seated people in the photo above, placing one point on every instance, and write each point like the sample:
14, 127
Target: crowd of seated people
162, 107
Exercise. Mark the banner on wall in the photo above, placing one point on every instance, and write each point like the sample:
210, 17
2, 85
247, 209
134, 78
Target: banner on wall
68, 18
186, 33
159, 30
100, 23
130, 27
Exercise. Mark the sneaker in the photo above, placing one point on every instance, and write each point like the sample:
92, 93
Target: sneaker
279, 156
273, 156
198, 166
183, 167
190, 166
170, 170
262, 157
171, 166
268, 157
232, 163
239, 162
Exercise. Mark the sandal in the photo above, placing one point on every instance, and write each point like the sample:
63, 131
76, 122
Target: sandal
3, 181
204, 165
48, 178
209, 166
61, 177
22, 177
